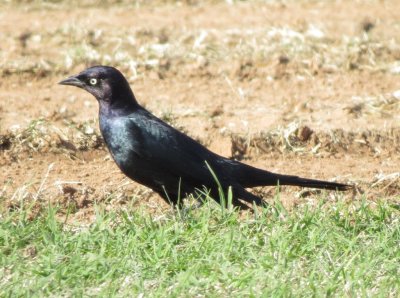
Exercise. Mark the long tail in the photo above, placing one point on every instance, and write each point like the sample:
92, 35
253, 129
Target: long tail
313, 183
249, 176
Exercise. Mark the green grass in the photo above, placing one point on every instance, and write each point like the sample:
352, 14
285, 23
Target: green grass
330, 250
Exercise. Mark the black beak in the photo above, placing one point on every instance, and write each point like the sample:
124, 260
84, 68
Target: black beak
72, 81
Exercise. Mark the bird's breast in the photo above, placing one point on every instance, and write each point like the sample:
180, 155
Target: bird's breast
119, 139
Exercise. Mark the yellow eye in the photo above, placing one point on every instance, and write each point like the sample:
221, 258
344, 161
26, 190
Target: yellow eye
93, 82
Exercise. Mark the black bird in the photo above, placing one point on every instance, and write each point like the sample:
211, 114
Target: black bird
152, 153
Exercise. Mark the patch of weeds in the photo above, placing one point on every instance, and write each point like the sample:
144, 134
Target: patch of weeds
385, 106
302, 51
300, 139
42, 136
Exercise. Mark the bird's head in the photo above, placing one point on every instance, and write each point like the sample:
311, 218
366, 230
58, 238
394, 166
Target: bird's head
105, 83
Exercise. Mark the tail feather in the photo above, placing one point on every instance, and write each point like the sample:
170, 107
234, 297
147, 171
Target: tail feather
312, 183
249, 176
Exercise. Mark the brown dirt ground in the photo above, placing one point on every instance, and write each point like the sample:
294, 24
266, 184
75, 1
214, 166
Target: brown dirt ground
250, 97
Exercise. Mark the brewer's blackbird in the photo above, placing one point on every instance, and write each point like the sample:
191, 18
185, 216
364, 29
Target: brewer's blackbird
152, 153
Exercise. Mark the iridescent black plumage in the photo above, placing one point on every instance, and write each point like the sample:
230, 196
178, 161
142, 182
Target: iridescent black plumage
151, 152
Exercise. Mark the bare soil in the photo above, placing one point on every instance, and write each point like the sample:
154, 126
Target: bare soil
300, 87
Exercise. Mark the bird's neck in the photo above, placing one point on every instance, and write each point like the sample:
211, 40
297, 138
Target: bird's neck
109, 109
121, 104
